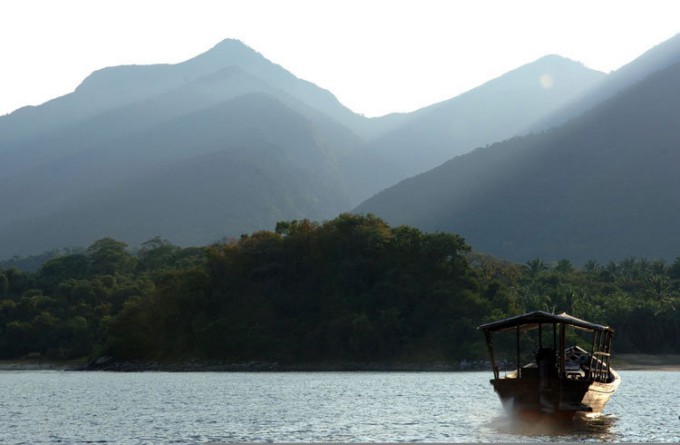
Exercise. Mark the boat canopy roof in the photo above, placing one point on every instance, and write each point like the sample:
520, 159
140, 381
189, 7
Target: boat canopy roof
531, 320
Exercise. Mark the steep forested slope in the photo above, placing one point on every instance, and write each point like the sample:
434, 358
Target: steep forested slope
603, 186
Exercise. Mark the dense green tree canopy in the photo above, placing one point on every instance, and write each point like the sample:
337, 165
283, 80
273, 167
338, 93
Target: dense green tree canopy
352, 289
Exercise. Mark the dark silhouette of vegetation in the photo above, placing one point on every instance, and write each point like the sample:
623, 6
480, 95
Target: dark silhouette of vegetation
349, 290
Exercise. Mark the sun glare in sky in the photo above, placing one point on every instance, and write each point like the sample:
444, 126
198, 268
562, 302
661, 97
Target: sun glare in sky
546, 81
376, 56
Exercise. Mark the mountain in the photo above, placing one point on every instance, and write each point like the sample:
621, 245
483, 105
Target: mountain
661, 56
82, 166
499, 109
110, 126
110, 88
253, 161
603, 186
228, 142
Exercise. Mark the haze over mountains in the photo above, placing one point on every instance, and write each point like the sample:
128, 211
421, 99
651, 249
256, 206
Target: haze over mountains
228, 142
657, 58
496, 110
603, 186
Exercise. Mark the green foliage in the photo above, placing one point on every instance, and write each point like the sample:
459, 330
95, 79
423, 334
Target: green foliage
352, 289
68, 306
108, 257
157, 255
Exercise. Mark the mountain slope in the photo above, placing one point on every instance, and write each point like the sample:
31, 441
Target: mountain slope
660, 57
114, 157
603, 186
497, 110
114, 87
232, 168
74, 159
108, 128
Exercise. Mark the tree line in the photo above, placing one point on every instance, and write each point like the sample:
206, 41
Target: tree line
352, 289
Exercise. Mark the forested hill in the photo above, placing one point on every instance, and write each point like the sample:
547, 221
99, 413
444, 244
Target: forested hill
348, 291
603, 186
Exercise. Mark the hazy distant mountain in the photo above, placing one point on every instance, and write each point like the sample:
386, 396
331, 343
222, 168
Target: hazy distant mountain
228, 142
603, 186
110, 88
117, 101
657, 58
239, 166
68, 166
108, 128
497, 110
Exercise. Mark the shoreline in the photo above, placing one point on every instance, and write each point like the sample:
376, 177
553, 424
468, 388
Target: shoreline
36, 365
622, 362
646, 362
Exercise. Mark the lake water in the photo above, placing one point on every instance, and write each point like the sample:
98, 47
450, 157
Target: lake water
41, 407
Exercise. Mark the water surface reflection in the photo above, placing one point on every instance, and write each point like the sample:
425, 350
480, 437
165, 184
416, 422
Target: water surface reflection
544, 428
198, 408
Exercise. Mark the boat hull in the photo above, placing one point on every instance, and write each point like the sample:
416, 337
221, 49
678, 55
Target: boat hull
598, 394
562, 397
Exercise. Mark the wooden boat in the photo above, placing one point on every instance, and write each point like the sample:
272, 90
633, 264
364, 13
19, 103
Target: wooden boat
551, 383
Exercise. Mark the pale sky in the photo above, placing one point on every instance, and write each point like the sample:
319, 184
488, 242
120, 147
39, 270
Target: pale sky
376, 56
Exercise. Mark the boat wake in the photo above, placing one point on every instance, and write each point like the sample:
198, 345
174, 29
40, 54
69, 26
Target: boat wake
546, 427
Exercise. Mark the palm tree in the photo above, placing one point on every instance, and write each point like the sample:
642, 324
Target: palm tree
535, 266
591, 266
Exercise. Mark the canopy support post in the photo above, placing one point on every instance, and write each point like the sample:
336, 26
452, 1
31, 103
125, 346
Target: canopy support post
489, 345
517, 344
561, 352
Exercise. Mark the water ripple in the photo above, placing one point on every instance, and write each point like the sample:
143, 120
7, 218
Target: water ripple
201, 408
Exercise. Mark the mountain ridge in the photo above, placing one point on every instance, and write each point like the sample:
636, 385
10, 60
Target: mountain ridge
498, 109
599, 187
260, 144
660, 56
112, 87
226, 181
